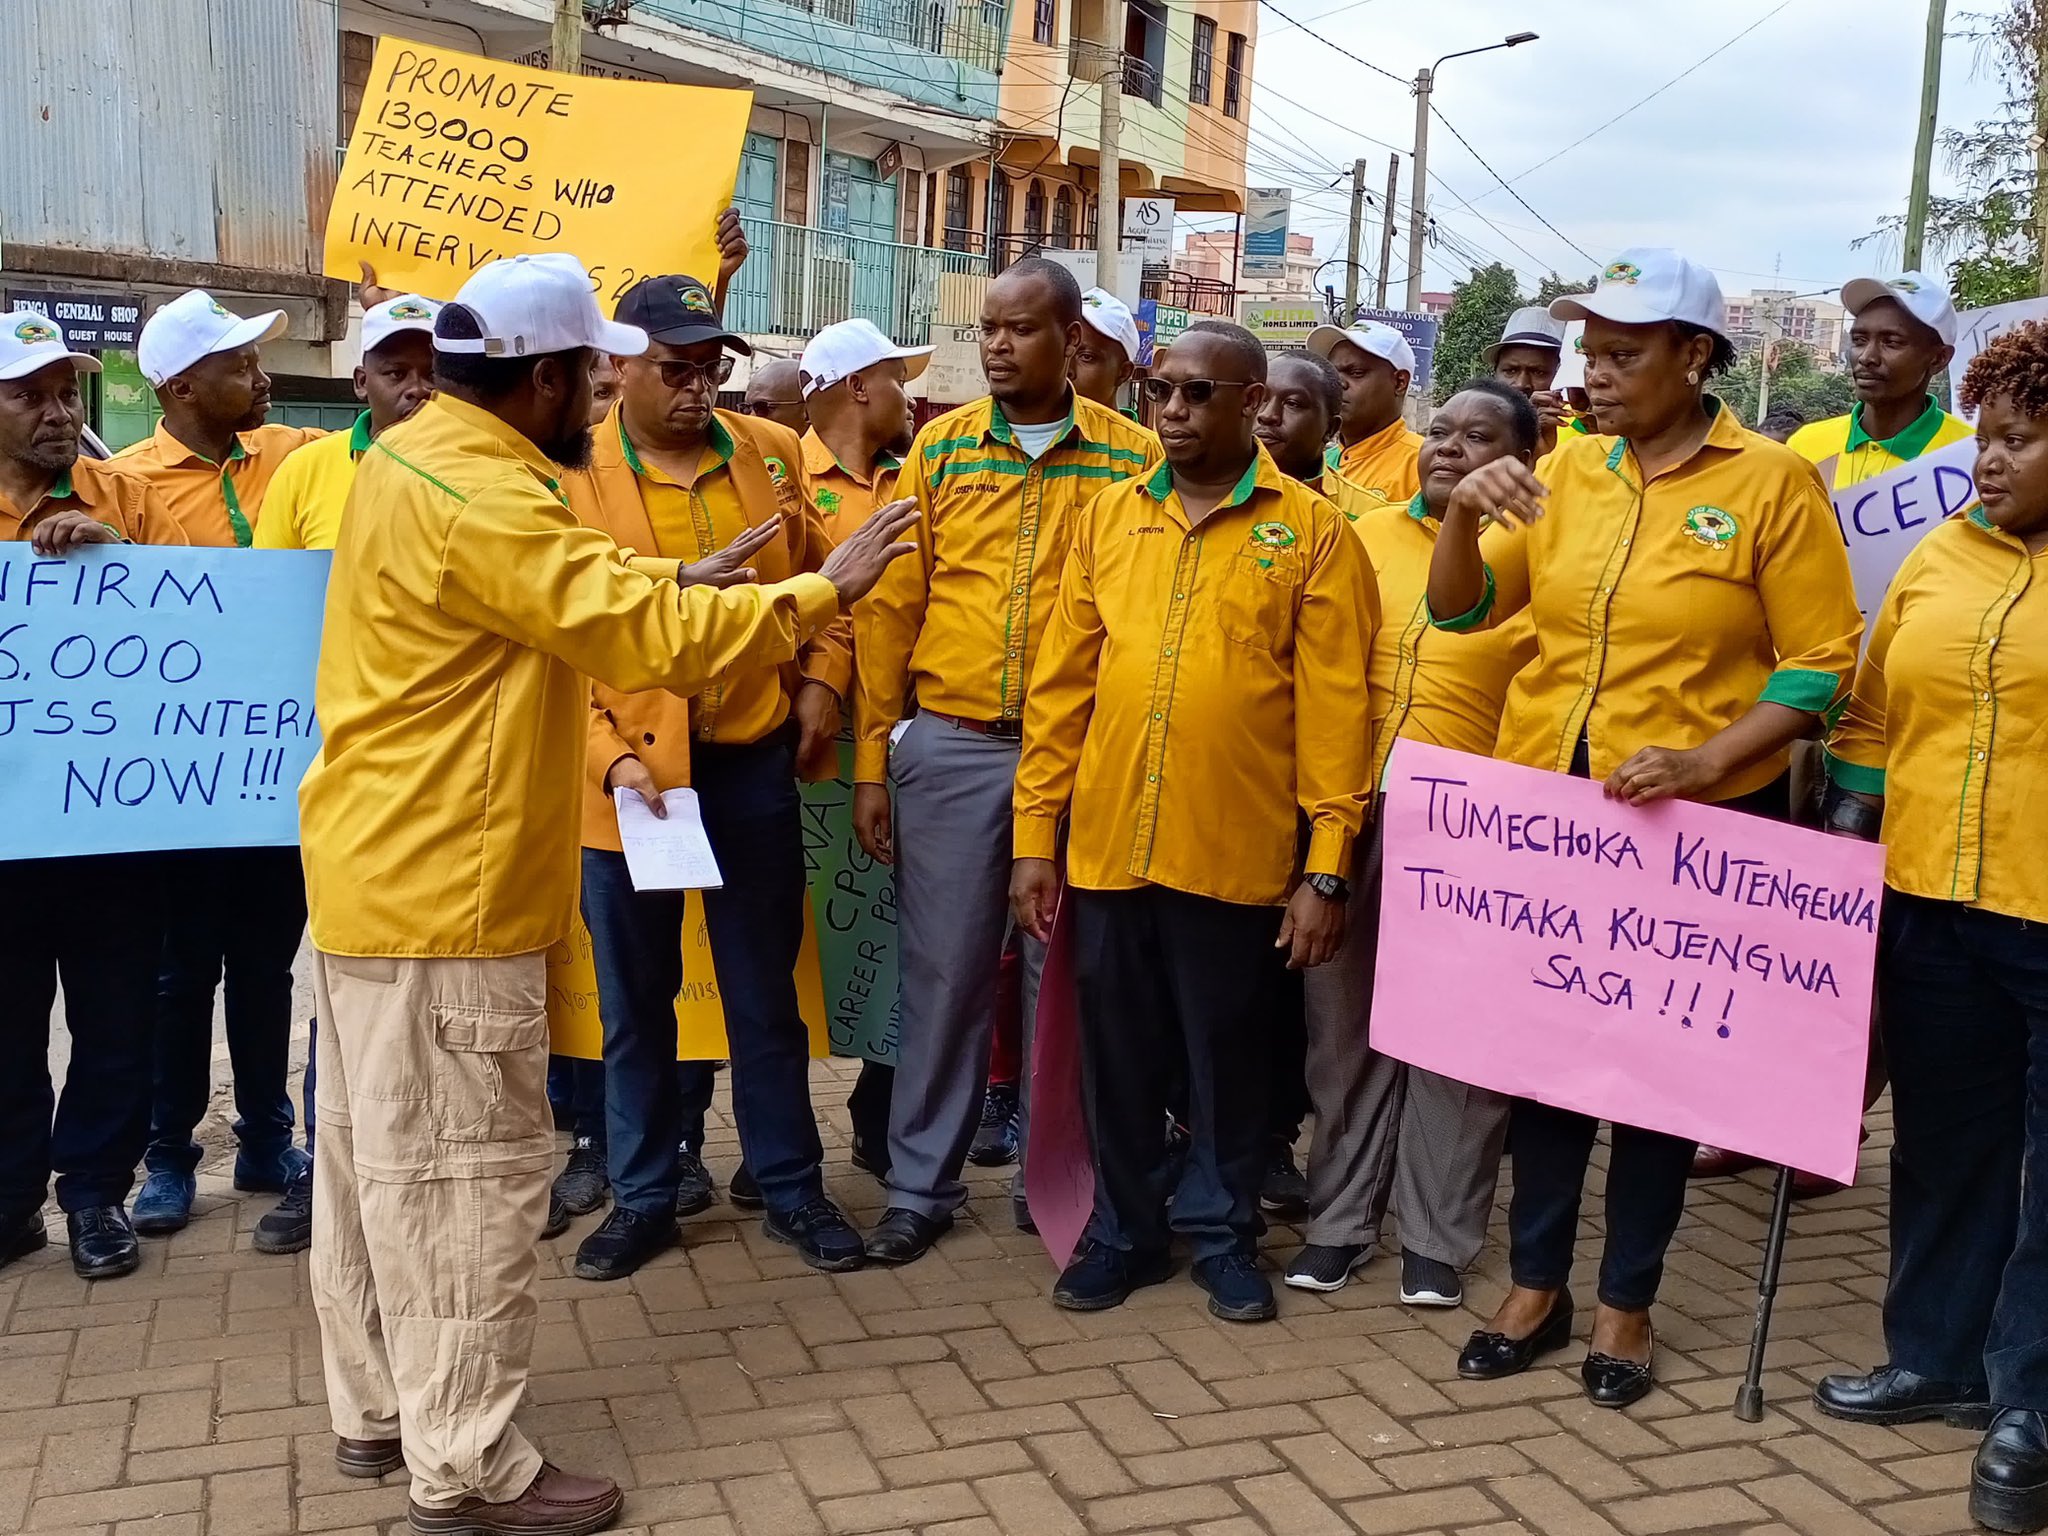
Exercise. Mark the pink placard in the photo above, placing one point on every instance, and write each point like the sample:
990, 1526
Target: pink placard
1688, 969
1059, 1168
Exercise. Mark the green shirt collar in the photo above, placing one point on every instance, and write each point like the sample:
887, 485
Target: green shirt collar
61, 490
1159, 484
1903, 446
1000, 429
359, 437
719, 437
1418, 508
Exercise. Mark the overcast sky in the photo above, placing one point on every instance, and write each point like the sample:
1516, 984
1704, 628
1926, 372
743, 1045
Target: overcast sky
1785, 148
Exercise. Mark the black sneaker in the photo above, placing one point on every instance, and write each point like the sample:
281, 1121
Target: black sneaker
995, 1143
558, 1219
1238, 1293
1283, 1190
22, 1235
1100, 1277
745, 1192
820, 1232
1428, 1282
1326, 1266
287, 1227
696, 1190
583, 1184
624, 1242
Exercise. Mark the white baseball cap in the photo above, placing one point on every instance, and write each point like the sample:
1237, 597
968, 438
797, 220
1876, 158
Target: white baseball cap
1370, 337
528, 306
840, 351
1647, 285
1528, 327
194, 326
1111, 317
407, 312
1916, 293
30, 341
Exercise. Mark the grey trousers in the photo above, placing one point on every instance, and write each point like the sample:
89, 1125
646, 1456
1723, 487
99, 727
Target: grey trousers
953, 797
1385, 1130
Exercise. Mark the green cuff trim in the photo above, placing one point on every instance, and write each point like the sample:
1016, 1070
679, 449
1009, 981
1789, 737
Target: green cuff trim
1795, 689
1478, 613
1853, 777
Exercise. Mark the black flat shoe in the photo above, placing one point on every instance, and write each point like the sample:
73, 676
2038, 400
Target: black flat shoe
623, 1242
1889, 1395
22, 1235
2009, 1480
1490, 1356
1612, 1383
902, 1237
102, 1243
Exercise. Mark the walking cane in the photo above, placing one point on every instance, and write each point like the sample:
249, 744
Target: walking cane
1749, 1397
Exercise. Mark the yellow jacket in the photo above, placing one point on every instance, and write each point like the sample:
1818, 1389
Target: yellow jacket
465, 613
1201, 688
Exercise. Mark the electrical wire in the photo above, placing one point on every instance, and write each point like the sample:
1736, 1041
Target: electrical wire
1335, 47
1511, 192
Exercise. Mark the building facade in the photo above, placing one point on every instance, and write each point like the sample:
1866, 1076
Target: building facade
1781, 315
1214, 256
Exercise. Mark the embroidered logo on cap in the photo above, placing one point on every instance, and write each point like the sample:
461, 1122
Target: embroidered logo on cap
217, 308
1711, 526
694, 299
1904, 285
408, 309
1622, 272
35, 332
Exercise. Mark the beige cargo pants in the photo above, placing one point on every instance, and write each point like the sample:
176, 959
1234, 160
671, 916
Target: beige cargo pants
430, 1185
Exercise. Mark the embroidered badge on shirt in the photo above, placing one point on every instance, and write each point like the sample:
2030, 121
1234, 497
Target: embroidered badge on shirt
828, 501
1711, 526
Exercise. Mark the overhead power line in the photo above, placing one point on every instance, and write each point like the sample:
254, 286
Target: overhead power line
1511, 192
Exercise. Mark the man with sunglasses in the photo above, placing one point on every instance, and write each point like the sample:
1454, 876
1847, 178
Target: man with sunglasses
1202, 677
775, 393
728, 495
1000, 483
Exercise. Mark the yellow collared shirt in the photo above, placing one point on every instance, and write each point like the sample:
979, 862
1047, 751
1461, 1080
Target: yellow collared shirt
1199, 690
302, 508
215, 504
844, 496
961, 619
1847, 455
1375, 471
126, 505
1445, 687
466, 611
1664, 611
1949, 720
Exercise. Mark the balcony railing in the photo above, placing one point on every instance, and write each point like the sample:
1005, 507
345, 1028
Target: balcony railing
797, 281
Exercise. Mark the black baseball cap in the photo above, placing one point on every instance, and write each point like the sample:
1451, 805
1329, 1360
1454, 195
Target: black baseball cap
678, 310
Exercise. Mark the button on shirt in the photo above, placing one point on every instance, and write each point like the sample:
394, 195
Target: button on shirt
961, 619
302, 508
1374, 471
1848, 455
844, 496
465, 614
1665, 609
123, 503
216, 504
1434, 685
1198, 692
1949, 720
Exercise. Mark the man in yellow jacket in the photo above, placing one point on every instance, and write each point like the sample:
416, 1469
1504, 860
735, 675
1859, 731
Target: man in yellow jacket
726, 494
1373, 460
466, 611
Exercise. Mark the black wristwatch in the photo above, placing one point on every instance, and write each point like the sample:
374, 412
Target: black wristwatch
1329, 887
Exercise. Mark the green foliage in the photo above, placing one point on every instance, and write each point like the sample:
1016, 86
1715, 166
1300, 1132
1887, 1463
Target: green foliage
1555, 287
1797, 383
1480, 307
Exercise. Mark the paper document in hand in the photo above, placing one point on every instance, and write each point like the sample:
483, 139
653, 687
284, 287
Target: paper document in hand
668, 853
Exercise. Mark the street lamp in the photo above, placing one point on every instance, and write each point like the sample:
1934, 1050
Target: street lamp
1425, 82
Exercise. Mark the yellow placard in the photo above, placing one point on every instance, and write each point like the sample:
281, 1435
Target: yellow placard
458, 160
573, 1025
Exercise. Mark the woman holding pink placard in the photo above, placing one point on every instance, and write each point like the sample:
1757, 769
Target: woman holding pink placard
1694, 617
1944, 743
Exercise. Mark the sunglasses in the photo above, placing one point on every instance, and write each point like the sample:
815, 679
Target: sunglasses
756, 407
1194, 391
682, 375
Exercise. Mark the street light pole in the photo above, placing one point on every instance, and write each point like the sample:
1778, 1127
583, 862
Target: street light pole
1425, 83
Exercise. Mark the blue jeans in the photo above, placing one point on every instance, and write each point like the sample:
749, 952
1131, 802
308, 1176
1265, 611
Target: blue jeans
754, 821
237, 913
1963, 1003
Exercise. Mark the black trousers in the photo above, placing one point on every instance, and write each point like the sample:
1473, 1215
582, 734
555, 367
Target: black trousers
1963, 995
1166, 981
96, 923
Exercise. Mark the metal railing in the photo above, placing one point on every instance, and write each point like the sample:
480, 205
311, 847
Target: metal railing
974, 32
798, 281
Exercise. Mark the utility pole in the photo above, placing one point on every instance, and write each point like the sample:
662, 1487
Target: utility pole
1387, 231
565, 44
1351, 250
1109, 222
1425, 81
1763, 363
1923, 143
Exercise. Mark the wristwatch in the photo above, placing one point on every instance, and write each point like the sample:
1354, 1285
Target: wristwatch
1329, 887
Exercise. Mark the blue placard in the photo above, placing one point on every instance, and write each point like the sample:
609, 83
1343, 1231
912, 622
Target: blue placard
155, 698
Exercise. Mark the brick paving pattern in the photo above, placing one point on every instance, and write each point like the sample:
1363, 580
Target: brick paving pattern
733, 1392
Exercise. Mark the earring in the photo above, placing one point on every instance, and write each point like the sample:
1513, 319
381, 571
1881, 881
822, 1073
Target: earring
1693, 377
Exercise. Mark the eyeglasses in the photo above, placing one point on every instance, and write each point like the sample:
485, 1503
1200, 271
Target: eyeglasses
683, 375
757, 407
1194, 391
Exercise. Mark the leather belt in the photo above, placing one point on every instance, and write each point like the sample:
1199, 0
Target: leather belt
995, 730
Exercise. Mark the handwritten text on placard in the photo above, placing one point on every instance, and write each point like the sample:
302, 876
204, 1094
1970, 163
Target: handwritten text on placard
1882, 518
155, 698
1689, 969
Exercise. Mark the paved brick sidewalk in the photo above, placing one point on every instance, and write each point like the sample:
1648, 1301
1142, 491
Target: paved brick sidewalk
732, 1390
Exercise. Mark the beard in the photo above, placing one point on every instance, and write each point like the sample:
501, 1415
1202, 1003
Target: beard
51, 458
570, 447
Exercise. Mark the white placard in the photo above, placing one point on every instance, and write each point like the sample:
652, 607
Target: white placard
666, 853
1882, 518
1148, 226
1976, 329
1571, 361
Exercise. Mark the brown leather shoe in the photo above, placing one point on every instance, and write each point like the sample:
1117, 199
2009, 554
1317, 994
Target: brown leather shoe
366, 1458
556, 1503
1717, 1163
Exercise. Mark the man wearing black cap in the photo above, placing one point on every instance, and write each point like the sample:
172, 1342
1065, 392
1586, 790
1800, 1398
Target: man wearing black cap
728, 495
